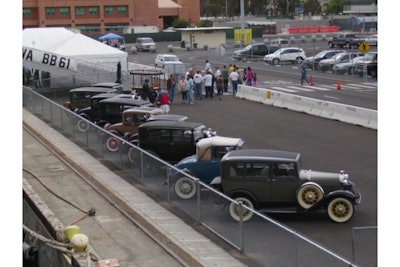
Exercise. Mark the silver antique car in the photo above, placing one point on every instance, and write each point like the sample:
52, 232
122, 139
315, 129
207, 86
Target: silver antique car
274, 181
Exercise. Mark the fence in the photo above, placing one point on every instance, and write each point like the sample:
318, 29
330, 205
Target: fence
263, 239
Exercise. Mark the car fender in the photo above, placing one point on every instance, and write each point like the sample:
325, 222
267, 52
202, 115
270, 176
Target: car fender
340, 193
244, 193
85, 116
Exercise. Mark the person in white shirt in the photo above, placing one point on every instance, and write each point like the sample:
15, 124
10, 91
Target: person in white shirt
198, 84
234, 77
207, 67
208, 84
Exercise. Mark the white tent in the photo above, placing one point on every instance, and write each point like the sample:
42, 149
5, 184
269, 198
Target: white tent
62, 48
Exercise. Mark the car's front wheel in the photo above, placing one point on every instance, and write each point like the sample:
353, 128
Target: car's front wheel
308, 195
235, 210
185, 188
275, 61
340, 210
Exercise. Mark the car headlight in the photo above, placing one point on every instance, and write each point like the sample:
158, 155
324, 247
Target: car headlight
344, 177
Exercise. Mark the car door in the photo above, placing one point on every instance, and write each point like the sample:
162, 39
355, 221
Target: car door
181, 144
284, 183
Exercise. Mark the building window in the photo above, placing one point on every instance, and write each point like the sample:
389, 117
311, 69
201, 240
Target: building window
50, 11
26, 12
108, 10
64, 11
93, 10
80, 11
122, 10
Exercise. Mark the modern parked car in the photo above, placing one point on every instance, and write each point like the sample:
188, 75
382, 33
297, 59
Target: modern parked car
369, 65
145, 43
275, 181
327, 64
285, 54
162, 59
312, 62
170, 64
346, 67
372, 40
168, 140
279, 42
205, 164
257, 50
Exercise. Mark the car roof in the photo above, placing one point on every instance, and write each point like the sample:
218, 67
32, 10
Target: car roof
262, 154
219, 141
107, 85
93, 89
145, 110
171, 124
127, 101
167, 117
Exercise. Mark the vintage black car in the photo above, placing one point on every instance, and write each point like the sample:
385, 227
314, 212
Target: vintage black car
169, 140
80, 97
274, 181
110, 109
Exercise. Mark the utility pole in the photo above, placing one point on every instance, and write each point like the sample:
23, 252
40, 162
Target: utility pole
241, 23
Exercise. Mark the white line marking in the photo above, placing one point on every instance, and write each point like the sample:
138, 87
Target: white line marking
283, 89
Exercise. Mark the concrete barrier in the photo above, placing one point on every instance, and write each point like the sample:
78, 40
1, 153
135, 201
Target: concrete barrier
325, 109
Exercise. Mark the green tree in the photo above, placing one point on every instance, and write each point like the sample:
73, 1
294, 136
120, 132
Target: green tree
336, 6
180, 23
312, 6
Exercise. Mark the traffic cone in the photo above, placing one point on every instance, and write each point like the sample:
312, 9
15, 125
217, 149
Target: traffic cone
339, 85
311, 80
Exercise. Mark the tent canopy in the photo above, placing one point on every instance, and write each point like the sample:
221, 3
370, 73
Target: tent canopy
63, 42
110, 36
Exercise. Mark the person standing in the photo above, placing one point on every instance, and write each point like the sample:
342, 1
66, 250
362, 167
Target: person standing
220, 86
182, 89
304, 74
225, 76
171, 83
189, 89
208, 84
249, 80
207, 66
198, 84
163, 101
234, 77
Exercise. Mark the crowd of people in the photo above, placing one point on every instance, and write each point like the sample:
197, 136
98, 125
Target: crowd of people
202, 84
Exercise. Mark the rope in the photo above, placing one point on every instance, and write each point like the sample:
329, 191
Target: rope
91, 212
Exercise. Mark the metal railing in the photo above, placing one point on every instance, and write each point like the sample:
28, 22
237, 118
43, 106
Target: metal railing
208, 207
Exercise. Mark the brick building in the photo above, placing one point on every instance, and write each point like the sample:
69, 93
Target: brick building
101, 16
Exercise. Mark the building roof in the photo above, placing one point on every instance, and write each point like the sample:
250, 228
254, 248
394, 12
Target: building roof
203, 29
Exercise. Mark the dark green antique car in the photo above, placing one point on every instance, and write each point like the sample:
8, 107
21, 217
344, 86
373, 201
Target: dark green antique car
274, 181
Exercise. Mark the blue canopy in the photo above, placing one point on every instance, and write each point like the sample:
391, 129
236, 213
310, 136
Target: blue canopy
110, 36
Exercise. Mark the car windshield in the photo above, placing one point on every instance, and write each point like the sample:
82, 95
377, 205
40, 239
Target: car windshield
147, 40
369, 57
171, 58
247, 48
338, 56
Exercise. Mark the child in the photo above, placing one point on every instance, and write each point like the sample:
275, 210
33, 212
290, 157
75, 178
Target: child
254, 79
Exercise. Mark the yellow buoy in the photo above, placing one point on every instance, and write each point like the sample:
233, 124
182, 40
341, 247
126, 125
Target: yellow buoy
79, 241
70, 231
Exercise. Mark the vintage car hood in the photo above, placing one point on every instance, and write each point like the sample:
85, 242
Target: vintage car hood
318, 176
